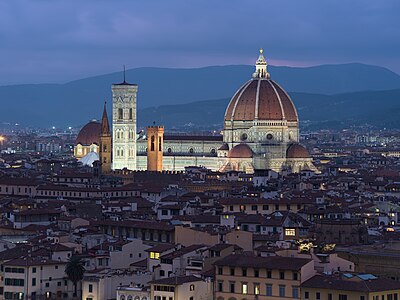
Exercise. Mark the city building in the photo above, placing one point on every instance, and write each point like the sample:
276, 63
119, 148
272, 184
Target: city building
261, 131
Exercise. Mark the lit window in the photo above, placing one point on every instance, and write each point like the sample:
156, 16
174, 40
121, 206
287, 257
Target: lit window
244, 288
290, 232
154, 255
256, 289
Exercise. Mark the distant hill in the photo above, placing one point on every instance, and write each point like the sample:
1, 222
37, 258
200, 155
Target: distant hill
381, 108
78, 101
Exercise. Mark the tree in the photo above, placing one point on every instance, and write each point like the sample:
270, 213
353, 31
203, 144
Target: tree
75, 270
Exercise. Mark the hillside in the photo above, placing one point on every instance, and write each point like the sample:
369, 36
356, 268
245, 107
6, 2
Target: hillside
76, 102
380, 108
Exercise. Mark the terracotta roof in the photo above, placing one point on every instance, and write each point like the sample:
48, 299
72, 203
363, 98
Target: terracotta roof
89, 134
344, 284
176, 280
271, 262
297, 151
224, 147
182, 251
261, 99
211, 138
240, 151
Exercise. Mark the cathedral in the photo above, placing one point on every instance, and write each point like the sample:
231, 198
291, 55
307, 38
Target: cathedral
260, 131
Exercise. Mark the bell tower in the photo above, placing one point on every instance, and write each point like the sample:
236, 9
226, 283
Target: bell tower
105, 144
124, 125
155, 140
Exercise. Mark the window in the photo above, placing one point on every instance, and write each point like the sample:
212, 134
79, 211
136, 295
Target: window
281, 290
232, 287
295, 276
256, 289
232, 271
220, 285
159, 144
90, 288
329, 296
231, 208
191, 288
269, 289
120, 113
342, 297
244, 272
290, 231
318, 296
154, 255
33, 281
152, 144
244, 288
269, 274
33, 270
58, 283
265, 207
295, 292
130, 114
162, 273
306, 295
47, 284
282, 275
220, 271
254, 207
362, 297
256, 273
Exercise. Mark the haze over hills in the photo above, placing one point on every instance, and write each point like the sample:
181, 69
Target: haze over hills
380, 108
78, 101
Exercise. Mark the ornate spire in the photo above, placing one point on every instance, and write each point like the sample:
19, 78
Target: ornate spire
105, 127
261, 67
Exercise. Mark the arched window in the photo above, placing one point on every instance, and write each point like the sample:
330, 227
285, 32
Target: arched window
191, 150
120, 114
152, 146
130, 114
159, 144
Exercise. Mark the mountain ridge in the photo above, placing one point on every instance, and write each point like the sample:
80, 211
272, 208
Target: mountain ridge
80, 100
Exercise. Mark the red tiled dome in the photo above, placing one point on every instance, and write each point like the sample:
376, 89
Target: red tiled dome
297, 151
261, 99
240, 151
89, 134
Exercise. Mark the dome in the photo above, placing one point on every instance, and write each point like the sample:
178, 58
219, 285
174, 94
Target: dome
224, 147
297, 151
240, 151
261, 98
89, 134
89, 159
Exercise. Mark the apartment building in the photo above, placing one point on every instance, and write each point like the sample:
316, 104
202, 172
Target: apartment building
350, 287
247, 276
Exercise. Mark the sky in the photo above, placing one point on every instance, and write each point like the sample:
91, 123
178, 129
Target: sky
52, 41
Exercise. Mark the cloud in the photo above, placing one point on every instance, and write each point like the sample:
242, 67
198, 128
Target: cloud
56, 41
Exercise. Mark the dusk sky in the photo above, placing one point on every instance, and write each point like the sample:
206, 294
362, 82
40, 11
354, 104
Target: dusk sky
57, 41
